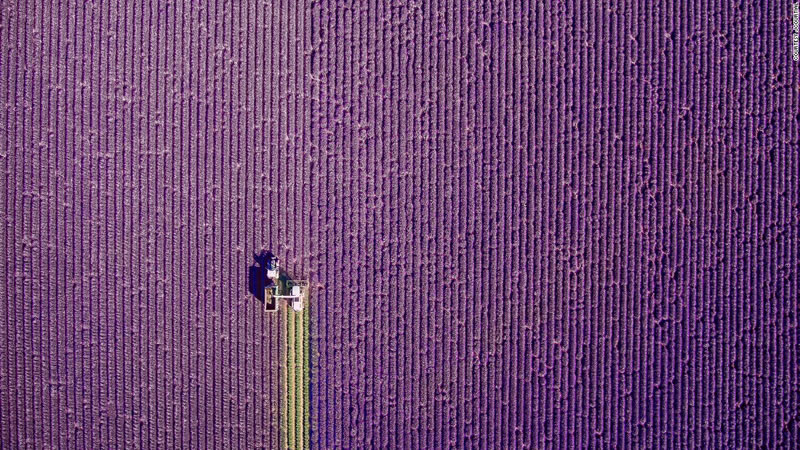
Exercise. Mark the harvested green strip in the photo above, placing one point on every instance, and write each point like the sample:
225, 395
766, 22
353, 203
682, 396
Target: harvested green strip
291, 344
295, 416
285, 376
307, 376
299, 386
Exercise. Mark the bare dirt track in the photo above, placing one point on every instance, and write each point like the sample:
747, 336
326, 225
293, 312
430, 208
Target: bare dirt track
526, 224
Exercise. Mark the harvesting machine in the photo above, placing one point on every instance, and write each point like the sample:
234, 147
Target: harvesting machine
283, 288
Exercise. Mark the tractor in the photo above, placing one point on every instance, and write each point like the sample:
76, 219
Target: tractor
281, 287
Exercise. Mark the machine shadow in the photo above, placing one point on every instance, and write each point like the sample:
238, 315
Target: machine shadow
257, 274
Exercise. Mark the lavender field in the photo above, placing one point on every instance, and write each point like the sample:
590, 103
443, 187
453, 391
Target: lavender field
525, 224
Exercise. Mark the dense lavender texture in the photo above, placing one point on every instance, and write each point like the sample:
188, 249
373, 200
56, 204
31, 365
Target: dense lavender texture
142, 145
569, 223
